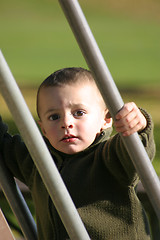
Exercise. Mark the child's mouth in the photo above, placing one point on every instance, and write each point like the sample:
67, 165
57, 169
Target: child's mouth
69, 138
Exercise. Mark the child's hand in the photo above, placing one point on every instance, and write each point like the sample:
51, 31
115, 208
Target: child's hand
129, 120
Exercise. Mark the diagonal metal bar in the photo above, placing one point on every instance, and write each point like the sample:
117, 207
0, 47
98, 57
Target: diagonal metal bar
112, 97
17, 203
40, 154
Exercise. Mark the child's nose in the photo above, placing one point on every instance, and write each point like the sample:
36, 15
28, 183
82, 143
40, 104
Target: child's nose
67, 123
67, 126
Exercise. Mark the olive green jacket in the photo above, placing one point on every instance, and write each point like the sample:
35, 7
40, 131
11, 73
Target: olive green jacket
101, 181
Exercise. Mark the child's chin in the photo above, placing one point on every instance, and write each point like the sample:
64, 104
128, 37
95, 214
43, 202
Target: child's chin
72, 151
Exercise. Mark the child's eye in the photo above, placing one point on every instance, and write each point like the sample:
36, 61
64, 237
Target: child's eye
54, 117
79, 113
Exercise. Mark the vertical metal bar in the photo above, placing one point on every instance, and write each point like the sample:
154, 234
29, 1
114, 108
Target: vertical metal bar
154, 223
40, 154
112, 97
17, 203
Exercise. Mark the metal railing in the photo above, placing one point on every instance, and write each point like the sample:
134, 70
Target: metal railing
17, 203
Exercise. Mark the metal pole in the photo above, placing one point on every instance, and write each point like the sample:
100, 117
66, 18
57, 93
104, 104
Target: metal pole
40, 154
112, 97
17, 203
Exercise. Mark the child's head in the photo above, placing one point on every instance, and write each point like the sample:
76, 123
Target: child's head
71, 110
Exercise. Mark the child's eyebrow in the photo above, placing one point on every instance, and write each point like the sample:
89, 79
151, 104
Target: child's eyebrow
51, 110
77, 105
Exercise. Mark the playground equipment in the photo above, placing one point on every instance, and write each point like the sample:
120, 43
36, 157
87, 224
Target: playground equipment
17, 202
33, 139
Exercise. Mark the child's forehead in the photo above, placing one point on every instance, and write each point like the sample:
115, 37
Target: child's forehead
79, 85
76, 91
68, 95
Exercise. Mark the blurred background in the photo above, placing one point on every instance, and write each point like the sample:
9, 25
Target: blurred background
36, 40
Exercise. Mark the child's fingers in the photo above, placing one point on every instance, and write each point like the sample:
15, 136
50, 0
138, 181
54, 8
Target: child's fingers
127, 116
128, 107
129, 120
130, 128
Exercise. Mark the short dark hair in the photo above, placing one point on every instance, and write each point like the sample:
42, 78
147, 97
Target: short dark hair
64, 76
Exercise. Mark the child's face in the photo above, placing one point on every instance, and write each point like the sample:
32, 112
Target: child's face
72, 116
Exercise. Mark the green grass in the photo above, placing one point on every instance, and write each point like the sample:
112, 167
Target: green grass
36, 40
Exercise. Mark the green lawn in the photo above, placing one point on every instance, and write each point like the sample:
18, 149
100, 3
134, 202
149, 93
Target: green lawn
36, 39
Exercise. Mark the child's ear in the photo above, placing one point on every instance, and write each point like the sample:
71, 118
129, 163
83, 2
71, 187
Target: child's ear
107, 120
41, 127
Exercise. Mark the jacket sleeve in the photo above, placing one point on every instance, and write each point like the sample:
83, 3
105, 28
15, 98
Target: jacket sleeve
117, 159
15, 155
